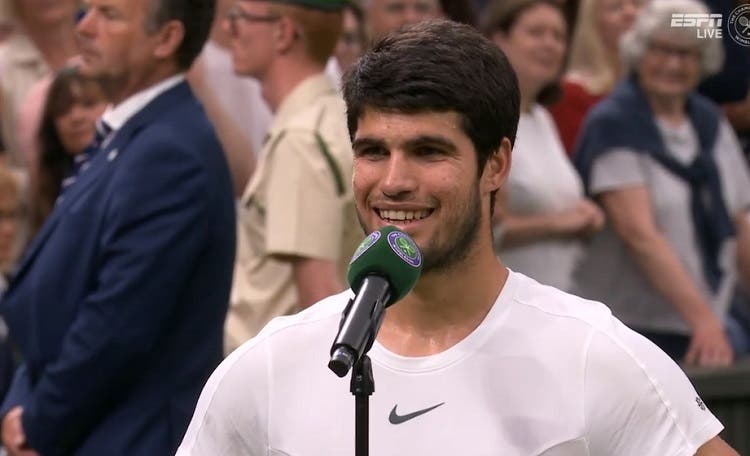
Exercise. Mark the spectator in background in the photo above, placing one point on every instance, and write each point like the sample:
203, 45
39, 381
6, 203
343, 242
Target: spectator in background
594, 65
71, 109
541, 214
351, 43
298, 227
118, 305
42, 41
233, 103
386, 16
667, 169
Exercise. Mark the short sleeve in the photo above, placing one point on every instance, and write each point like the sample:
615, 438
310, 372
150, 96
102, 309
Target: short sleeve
231, 417
638, 401
616, 169
304, 211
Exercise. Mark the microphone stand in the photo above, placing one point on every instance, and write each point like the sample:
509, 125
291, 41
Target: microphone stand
362, 383
362, 386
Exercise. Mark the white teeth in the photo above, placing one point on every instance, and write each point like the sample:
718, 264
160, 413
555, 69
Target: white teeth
403, 215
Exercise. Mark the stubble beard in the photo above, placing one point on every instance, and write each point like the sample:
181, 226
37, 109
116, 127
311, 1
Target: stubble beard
460, 241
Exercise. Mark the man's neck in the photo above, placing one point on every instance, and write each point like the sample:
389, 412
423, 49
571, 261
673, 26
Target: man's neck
445, 306
283, 78
119, 91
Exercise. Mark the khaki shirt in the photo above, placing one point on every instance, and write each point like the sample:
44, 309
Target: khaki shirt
298, 202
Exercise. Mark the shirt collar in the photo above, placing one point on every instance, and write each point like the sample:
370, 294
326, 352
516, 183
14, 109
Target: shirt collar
116, 116
303, 96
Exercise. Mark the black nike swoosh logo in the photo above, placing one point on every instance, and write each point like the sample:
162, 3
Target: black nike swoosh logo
395, 418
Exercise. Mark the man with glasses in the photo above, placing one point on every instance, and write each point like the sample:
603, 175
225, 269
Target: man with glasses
298, 228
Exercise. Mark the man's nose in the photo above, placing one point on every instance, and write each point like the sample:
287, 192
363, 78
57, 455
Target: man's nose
400, 177
85, 25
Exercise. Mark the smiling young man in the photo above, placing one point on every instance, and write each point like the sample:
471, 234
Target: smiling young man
118, 305
476, 359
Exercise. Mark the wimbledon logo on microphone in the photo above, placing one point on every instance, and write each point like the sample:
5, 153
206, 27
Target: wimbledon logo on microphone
369, 241
404, 247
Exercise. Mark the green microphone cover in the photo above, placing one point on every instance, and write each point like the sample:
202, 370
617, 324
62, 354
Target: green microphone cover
389, 253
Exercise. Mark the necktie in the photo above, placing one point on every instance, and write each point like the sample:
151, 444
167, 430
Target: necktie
82, 161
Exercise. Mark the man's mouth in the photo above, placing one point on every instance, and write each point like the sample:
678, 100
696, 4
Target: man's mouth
391, 215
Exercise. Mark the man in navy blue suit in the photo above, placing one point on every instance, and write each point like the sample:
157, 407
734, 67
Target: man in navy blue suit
118, 304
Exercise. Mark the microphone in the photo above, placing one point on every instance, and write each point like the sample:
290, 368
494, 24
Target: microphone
383, 270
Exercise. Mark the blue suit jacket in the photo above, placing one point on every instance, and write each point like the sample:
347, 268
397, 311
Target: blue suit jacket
118, 305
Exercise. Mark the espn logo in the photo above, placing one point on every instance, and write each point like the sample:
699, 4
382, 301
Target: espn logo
697, 21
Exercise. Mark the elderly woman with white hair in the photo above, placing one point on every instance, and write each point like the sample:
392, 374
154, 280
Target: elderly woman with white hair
666, 167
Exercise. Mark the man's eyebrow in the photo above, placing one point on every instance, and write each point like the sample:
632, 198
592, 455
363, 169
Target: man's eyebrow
367, 141
411, 143
430, 140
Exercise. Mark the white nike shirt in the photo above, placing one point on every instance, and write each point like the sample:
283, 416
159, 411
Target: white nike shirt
546, 373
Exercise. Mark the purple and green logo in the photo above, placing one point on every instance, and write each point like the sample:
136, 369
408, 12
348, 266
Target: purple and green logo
368, 242
405, 247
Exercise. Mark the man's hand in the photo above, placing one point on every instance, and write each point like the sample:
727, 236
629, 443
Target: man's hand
13, 436
709, 346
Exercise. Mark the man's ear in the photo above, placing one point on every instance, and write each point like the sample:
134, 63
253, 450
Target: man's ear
286, 34
169, 39
496, 169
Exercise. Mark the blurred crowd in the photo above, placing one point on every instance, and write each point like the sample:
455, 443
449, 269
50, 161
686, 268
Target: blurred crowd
630, 180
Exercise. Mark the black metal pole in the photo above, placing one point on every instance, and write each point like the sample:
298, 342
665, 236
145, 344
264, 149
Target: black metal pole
362, 386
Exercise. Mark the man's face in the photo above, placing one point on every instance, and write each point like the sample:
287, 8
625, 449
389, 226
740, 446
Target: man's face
418, 172
386, 16
113, 41
250, 24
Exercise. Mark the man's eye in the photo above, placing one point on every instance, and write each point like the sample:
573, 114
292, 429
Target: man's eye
428, 152
372, 152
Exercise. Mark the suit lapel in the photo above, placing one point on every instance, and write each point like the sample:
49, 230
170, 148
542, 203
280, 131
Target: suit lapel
100, 166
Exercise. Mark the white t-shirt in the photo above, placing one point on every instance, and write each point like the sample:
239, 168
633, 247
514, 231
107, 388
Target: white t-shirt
546, 373
541, 181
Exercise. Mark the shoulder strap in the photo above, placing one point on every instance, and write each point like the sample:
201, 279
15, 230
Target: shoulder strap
337, 177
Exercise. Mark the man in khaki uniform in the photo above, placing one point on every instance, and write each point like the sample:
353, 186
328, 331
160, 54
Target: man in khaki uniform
298, 227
